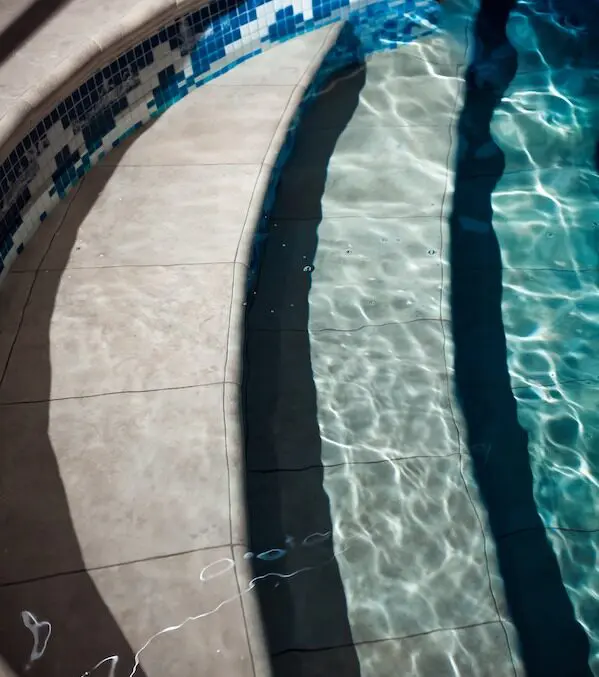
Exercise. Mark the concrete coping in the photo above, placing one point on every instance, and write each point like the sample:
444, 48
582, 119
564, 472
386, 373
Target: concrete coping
102, 47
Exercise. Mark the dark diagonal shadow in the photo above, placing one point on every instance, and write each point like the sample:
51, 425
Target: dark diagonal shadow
301, 596
553, 643
42, 570
26, 24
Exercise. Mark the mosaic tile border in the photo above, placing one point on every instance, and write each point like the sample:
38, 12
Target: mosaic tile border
156, 73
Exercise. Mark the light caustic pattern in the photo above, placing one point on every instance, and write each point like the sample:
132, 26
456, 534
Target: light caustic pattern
379, 353
418, 564
375, 326
454, 650
547, 221
463, 652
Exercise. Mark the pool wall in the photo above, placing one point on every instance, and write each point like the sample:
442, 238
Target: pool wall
42, 165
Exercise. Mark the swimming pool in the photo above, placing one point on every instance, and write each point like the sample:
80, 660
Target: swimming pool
420, 375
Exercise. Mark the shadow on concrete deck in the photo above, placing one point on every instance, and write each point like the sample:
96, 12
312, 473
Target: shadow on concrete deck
301, 595
43, 576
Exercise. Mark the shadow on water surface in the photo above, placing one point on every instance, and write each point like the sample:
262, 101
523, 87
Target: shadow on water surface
552, 642
301, 596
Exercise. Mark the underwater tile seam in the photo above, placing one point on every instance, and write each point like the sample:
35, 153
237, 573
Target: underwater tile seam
397, 323
446, 204
399, 638
394, 459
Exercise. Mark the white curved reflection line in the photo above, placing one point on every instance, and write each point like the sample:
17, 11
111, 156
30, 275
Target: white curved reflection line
250, 587
39, 641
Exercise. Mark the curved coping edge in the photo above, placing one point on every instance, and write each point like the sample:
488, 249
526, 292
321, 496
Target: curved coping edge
106, 103
142, 20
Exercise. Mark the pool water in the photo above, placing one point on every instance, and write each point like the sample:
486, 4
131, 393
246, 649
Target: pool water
421, 377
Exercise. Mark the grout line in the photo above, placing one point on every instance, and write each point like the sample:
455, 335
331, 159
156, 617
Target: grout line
573, 271
328, 42
323, 466
141, 265
103, 567
116, 392
286, 119
262, 84
189, 264
448, 382
243, 612
33, 282
585, 380
345, 215
396, 323
249, 210
363, 126
362, 217
18, 330
23, 271
415, 320
592, 269
387, 639
288, 116
183, 165
565, 530
582, 380
226, 441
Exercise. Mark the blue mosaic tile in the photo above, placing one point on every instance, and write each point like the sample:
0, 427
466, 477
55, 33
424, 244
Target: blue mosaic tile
203, 44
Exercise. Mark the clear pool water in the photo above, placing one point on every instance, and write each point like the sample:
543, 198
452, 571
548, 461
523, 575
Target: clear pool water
421, 387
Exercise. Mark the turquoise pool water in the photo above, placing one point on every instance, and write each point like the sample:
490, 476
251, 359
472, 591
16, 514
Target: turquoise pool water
421, 378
